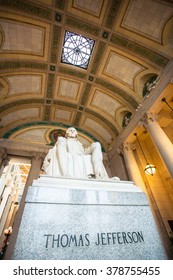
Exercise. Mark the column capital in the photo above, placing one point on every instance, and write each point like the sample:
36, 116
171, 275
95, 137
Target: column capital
6, 161
120, 150
148, 118
127, 146
38, 156
3, 156
3, 153
106, 160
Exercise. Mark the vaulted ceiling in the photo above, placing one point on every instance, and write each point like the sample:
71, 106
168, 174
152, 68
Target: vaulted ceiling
40, 96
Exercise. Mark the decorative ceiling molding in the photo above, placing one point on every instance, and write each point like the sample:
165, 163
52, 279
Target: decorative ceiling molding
98, 56
55, 43
47, 113
72, 72
21, 102
139, 50
23, 126
85, 94
22, 64
29, 8
112, 13
105, 121
77, 118
66, 104
78, 24
60, 4
50, 85
118, 91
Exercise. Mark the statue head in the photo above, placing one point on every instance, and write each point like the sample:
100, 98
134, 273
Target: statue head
71, 132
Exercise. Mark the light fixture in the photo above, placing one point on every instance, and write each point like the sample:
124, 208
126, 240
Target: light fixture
149, 168
164, 100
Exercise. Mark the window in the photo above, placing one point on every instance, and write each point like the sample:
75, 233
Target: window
76, 50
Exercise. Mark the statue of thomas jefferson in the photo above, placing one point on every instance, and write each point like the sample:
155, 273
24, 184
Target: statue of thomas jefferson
68, 158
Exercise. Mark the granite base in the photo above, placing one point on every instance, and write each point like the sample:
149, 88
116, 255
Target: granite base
79, 219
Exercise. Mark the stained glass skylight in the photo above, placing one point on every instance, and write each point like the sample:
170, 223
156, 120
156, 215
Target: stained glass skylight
77, 50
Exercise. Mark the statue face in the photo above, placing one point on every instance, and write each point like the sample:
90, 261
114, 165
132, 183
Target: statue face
71, 132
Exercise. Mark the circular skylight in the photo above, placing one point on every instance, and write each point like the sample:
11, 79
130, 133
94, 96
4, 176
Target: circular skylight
77, 50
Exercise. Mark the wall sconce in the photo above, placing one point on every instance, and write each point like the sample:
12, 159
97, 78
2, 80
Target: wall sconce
149, 168
164, 100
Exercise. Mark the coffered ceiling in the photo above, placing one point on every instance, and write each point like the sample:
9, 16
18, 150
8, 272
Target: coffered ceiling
40, 95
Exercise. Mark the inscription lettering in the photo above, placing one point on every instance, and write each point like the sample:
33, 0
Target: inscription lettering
65, 240
119, 238
100, 239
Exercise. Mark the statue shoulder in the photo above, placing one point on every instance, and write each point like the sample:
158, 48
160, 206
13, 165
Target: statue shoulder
62, 138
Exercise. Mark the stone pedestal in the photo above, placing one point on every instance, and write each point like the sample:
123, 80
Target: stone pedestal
86, 219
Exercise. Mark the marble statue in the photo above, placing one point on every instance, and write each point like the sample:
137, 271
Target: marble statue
68, 158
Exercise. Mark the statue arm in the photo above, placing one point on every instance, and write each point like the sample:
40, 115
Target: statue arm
47, 161
88, 150
62, 155
97, 160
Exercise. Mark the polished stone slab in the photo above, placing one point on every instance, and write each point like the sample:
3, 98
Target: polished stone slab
87, 219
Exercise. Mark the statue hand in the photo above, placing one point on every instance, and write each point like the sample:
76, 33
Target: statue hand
61, 141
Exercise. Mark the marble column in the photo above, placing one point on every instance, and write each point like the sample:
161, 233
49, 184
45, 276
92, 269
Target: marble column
3, 154
132, 166
4, 161
160, 140
106, 163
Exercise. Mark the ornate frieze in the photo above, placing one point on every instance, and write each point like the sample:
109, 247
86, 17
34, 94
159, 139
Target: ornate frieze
71, 72
50, 85
85, 94
100, 51
60, 4
72, 22
77, 118
112, 13
27, 7
63, 103
47, 113
21, 64
55, 43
